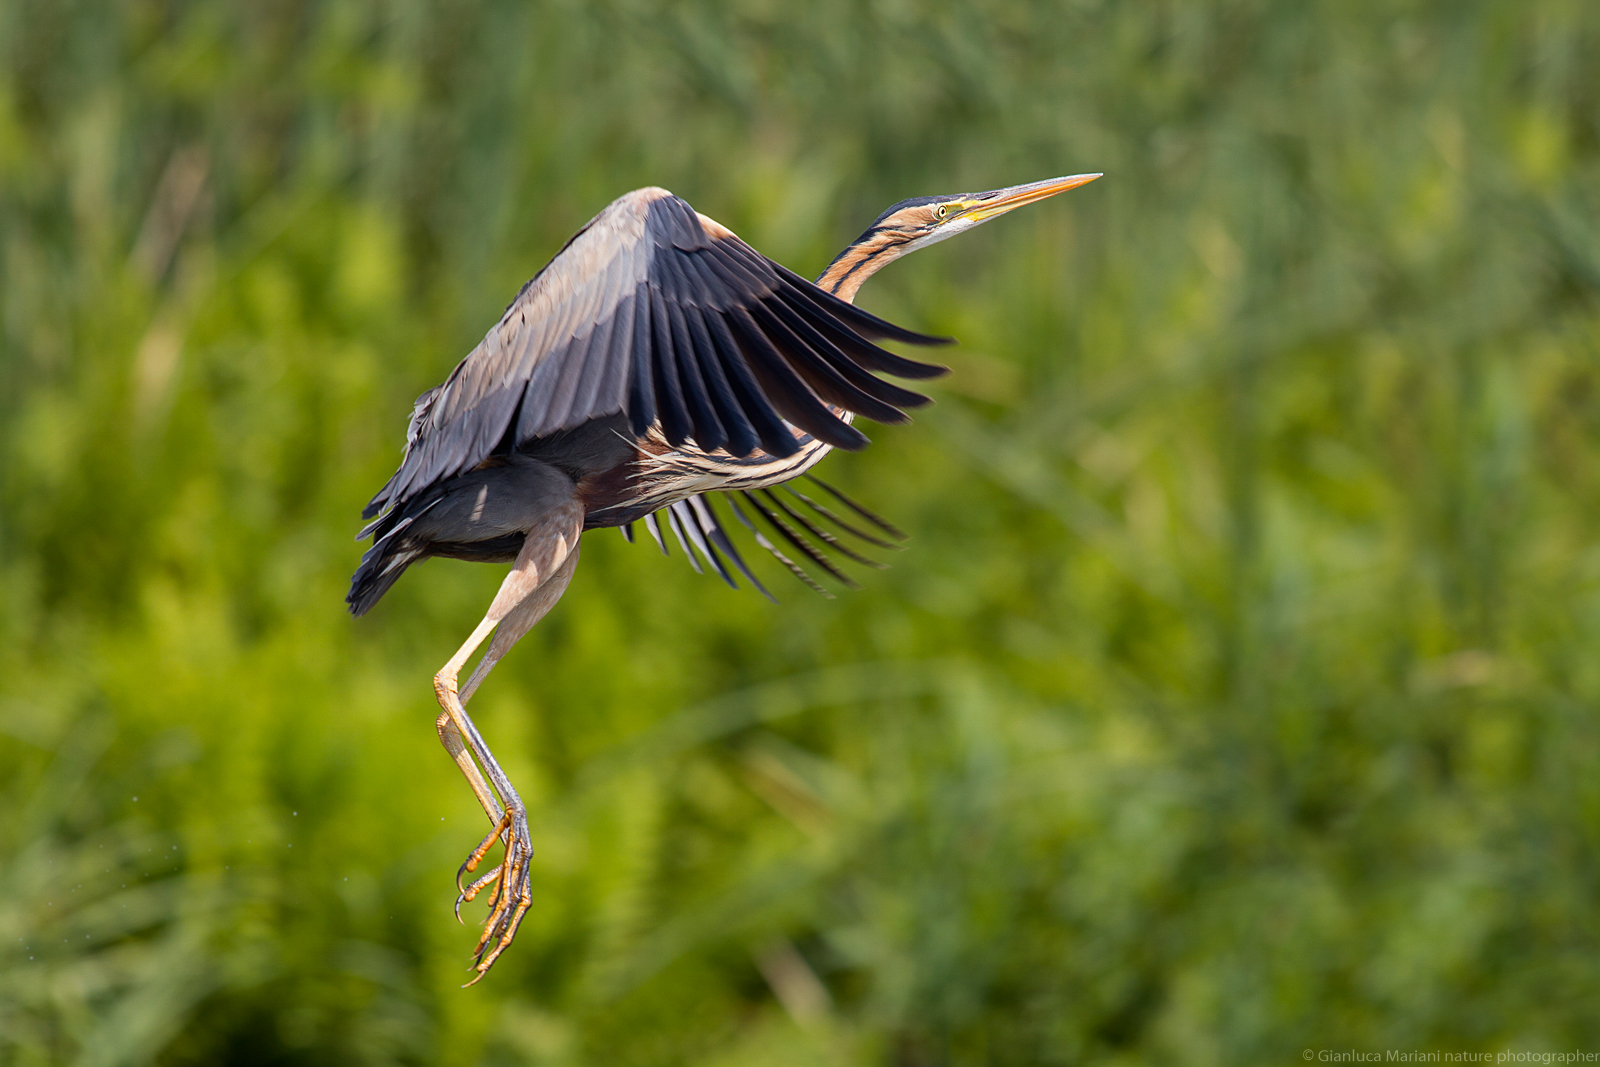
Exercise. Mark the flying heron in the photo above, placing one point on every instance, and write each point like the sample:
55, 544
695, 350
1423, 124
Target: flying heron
655, 359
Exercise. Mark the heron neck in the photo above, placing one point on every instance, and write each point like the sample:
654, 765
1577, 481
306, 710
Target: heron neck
873, 251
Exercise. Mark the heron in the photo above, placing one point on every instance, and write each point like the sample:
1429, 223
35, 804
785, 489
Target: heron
655, 359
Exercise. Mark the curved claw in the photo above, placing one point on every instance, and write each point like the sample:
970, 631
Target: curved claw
471, 892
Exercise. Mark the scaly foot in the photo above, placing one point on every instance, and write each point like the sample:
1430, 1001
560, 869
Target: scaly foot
512, 884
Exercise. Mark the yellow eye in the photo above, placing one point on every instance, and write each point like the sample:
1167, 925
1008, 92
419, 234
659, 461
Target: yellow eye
943, 210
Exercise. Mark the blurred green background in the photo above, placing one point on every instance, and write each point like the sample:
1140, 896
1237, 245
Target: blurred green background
1236, 695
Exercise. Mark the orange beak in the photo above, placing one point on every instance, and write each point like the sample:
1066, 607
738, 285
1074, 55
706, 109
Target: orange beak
993, 204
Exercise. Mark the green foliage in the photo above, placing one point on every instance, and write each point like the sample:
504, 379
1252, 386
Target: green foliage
1237, 694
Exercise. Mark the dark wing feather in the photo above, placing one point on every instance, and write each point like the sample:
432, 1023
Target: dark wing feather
653, 311
775, 438
696, 522
701, 506
765, 542
641, 379
670, 406
785, 390
741, 436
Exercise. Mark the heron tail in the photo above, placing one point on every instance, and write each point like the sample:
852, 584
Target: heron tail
381, 566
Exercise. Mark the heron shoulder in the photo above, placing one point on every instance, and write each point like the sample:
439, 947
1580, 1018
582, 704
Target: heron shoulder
606, 252
714, 229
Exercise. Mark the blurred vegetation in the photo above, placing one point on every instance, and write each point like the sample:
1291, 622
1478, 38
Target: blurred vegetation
1238, 691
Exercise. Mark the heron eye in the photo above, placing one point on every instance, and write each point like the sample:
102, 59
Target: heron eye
943, 210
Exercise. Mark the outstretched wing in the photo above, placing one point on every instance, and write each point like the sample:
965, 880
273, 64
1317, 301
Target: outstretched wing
655, 311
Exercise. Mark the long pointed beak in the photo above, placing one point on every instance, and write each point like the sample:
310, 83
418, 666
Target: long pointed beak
999, 201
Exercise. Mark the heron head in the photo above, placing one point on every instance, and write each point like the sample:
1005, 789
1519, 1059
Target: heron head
925, 220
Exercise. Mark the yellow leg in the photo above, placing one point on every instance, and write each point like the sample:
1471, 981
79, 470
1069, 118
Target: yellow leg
450, 738
537, 580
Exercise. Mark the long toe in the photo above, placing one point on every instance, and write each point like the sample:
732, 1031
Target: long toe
482, 850
510, 900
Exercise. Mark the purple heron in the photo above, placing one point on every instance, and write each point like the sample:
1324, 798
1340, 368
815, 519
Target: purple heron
655, 359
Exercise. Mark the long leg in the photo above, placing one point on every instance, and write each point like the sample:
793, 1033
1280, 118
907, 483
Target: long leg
537, 579
450, 738
511, 629
536, 582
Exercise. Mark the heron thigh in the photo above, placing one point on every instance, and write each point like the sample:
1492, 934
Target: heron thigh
521, 619
548, 544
